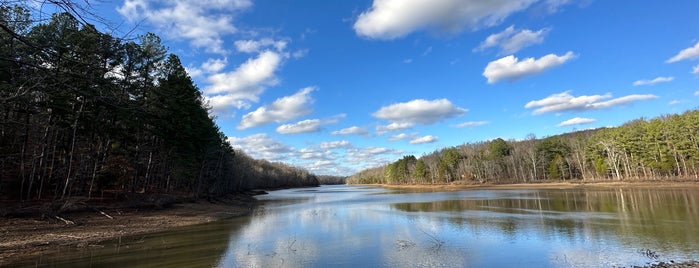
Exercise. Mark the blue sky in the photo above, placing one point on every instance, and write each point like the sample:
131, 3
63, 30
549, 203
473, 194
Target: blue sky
339, 86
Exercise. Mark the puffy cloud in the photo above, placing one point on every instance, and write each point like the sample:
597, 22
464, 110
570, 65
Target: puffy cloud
511, 68
395, 126
510, 40
577, 121
281, 110
203, 22
472, 124
214, 65
351, 130
305, 126
418, 111
307, 153
659, 79
696, 93
374, 156
335, 144
254, 46
685, 54
695, 70
389, 19
244, 84
401, 136
563, 102
261, 146
425, 139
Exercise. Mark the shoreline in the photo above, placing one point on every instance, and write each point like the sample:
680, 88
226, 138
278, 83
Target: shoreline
27, 237
458, 186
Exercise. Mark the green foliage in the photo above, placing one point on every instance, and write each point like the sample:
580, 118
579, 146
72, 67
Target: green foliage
81, 111
666, 147
499, 148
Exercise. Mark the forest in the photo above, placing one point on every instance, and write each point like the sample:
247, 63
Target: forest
663, 148
83, 112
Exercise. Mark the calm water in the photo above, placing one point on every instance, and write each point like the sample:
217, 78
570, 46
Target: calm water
358, 226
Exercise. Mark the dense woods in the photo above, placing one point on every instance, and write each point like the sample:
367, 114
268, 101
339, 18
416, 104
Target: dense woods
663, 148
83, 112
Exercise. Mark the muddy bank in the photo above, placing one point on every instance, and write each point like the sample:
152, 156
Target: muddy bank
32, 232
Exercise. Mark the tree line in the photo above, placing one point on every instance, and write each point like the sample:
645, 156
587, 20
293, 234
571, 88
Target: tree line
663, 148
83, 112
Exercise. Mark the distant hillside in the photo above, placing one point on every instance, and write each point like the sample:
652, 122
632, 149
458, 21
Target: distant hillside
663, 148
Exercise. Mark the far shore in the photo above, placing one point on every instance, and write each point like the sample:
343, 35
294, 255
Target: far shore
460, 185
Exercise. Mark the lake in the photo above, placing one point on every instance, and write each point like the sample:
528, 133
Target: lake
365, 226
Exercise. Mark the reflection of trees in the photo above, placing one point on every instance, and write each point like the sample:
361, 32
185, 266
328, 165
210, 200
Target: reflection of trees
643, 217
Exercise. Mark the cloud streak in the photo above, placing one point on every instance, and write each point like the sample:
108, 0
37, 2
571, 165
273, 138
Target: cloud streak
577, 121
353, 130
564, 102
424, 139
305, 126
685, 54
659, 79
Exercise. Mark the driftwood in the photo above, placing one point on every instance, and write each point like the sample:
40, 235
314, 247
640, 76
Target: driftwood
105, 214
69, 222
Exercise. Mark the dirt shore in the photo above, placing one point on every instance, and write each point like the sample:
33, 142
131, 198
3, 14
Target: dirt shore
37, 234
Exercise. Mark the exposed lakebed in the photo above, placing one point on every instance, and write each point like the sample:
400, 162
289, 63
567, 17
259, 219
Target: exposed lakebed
363, 226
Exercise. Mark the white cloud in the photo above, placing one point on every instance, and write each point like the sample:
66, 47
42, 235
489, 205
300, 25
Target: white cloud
472, 124
425, 139
510, 40
389, 19
674, 102
563, 102
419, 111
244, 84
401, 136
202, 22
695, 70
281, 110
351, 130
659, 79
335, 144
214, 65
685, 54
696, 93
511, 68
311, 154
374, 156
395, 126
261, 146
255, 46
577, 121
305, 126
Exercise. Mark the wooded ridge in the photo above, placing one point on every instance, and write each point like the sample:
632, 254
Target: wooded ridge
664, 148
83, 113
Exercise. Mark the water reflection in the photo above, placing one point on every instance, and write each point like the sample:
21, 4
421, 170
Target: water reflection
351, 226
